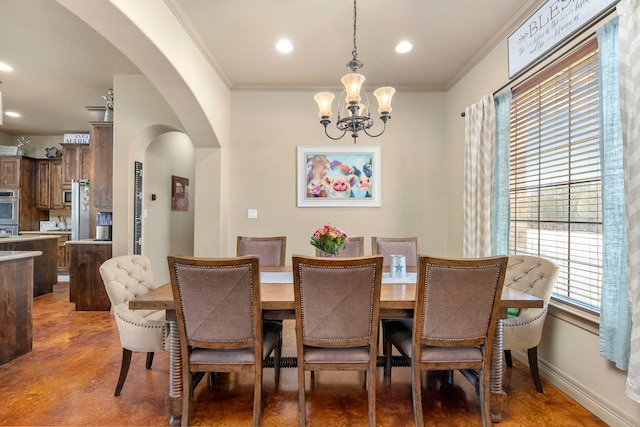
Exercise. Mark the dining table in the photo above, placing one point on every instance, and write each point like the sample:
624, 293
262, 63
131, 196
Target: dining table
397, 298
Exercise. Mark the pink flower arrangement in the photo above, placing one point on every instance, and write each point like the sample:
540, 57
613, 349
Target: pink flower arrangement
329, 239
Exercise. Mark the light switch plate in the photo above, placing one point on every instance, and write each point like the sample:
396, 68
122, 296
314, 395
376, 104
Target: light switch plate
252, 213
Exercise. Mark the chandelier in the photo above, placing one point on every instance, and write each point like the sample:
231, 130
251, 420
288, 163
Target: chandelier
358, 115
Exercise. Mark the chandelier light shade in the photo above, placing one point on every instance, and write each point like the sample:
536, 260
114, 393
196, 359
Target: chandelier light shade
358, 114
324, 100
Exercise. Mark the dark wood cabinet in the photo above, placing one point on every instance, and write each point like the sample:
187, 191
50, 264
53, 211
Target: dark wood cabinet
21, 172
43, 192
55, 184
45, 273
16, 317
63, 254
86, 289
49, 187
76, 162
101, 178
10, 172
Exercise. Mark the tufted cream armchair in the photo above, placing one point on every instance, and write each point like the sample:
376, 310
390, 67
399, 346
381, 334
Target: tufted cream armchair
535, 276
125, 277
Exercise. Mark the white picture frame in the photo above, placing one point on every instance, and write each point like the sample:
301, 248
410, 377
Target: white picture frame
336, 176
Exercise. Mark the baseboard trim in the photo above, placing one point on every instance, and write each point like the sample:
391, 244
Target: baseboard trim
584, 396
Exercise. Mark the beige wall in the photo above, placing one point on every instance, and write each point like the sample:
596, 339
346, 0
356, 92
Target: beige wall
266, 128
146, 130
569, 354
165, 231
36, 148
7, 139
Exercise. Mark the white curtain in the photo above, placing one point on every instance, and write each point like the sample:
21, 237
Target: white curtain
480, 136
629, 64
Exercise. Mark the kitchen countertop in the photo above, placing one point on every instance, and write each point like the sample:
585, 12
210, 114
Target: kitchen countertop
27, 237
88, 242
57, 232
13, 255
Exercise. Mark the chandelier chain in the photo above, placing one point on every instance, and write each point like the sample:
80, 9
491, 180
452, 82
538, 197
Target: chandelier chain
355, 16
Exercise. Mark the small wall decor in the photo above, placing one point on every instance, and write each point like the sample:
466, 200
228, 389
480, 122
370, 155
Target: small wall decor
179, 193
331, 176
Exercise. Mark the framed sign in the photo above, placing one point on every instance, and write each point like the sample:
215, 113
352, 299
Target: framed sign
331, 176
179, 193
552, 23
75, 138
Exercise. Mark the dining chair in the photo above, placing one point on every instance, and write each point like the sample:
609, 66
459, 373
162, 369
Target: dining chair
387, 246
536, 276
270, 250
219, 316
454, 320
354, 248
126, 277
337, 303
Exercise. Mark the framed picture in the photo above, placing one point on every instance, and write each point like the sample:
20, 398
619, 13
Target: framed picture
339, 176
179, 193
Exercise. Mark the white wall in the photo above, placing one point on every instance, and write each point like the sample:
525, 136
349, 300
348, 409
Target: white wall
262, 172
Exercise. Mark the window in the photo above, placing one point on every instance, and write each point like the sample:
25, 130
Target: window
554, 183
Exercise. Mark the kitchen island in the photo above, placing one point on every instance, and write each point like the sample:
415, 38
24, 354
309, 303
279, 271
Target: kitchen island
63, 255
86, 289
16, 315
45, 270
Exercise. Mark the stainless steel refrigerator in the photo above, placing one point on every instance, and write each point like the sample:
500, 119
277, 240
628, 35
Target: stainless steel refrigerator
79, 209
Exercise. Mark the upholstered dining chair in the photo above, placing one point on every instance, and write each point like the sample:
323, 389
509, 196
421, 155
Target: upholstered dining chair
270, 250
354, 248
454, 319
126, 277
387, 246
337, 302
536, 276
219, 316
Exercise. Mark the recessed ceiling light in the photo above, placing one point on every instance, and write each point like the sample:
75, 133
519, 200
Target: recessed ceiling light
284, 46
11, 114
404, 47
5, 67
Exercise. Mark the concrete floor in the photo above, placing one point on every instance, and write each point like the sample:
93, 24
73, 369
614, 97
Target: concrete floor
70, 376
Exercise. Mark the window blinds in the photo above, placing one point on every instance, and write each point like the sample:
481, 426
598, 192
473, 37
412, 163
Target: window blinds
555, 190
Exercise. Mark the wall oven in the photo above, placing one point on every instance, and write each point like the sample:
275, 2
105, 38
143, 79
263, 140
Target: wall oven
9, 208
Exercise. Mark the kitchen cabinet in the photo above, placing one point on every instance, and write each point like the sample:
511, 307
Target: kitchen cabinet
49, 187
45, 273
10, 172
86, 288
16, 316
20, 172
63, 254
55, 184
102, 171
76, 162
101, 178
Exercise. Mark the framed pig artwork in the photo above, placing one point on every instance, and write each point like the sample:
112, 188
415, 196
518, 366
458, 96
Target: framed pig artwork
339, 176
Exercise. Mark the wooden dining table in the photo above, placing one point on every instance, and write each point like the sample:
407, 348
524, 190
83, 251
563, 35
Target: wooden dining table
396, 301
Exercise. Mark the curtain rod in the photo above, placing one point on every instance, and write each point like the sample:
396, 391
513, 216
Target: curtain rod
554, 50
